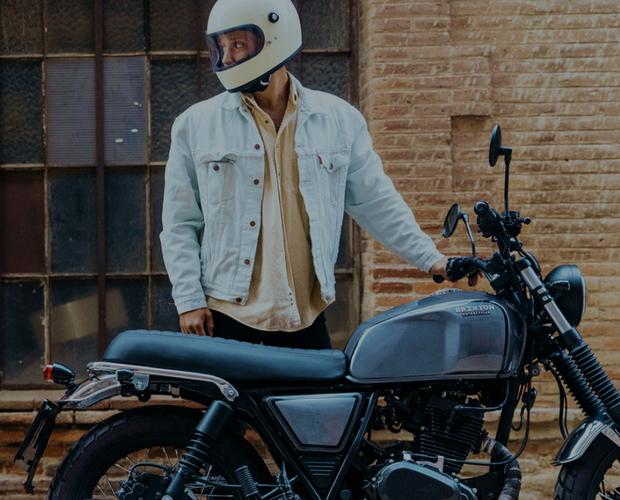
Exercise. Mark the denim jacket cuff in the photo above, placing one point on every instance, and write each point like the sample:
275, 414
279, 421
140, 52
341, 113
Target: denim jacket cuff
190, 303
428, 262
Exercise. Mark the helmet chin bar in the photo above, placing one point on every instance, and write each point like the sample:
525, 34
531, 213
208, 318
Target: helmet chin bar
258, 84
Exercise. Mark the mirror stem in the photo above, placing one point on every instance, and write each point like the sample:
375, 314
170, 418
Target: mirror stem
507, 152
465, 218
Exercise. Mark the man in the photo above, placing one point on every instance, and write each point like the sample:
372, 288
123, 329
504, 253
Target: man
256, 185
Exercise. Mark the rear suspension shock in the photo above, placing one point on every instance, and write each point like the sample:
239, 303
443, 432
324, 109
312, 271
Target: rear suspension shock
197, 452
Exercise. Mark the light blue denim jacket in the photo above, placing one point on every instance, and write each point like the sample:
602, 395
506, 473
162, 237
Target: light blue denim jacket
214, 184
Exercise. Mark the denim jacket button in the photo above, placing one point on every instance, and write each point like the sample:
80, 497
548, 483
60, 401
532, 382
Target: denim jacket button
256, 146
216, 167
238, 299
252, 223
246, 262
256, 181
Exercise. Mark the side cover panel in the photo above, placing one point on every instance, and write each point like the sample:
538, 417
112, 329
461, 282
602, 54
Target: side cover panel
316, 420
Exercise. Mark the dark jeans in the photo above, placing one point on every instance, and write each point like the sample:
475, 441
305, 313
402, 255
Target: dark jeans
314, 336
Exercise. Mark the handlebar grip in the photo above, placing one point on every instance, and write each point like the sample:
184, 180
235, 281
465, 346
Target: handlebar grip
481, 207
438, 278
488, 219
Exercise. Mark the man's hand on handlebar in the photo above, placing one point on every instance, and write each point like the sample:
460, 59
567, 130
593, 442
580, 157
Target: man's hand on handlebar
456, 268
194, 322
439, 268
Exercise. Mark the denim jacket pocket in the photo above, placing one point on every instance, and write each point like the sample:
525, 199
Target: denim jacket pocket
333, 174
216, 175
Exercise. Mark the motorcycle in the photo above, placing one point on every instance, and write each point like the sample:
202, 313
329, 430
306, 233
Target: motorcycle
432, 368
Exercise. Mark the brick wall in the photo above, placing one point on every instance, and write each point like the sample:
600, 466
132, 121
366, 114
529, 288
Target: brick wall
435, 77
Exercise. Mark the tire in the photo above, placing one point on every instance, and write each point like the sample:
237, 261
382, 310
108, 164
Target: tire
580, 480
151, 426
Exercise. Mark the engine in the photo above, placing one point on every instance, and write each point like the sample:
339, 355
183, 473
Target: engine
447, 427
407, 480
448, 432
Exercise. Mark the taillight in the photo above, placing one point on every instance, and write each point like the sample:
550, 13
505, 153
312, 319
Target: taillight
48, 374
57, 373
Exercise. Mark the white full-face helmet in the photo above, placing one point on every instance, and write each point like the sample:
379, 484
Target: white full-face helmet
250, 39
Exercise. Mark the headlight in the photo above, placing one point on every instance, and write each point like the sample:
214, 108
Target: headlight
568, 288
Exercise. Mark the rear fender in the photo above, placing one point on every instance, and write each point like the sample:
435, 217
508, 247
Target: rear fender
576, 444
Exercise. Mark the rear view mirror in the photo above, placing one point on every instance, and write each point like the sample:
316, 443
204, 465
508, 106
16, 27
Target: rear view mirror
495, 147
495, 151
451, 220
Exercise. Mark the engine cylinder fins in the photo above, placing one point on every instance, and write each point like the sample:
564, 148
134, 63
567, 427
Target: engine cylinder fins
449, 434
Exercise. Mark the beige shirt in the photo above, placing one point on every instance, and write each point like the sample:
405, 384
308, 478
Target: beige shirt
284, 290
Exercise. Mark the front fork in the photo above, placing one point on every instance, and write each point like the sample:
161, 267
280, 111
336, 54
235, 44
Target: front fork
196, 454
582, 373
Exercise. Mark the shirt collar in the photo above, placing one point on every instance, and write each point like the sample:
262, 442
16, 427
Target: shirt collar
250, 101
308, 100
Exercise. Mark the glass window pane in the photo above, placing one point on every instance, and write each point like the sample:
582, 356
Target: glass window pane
125, 110
165, 316
123, 26
125, 219
327, 72
21, 26
173, 89
125, 305
22, 216
70, 86
73, 221
325, 24
190, 22
21, 112
70, 26
342, 315
74, 323
21, 330
157, 196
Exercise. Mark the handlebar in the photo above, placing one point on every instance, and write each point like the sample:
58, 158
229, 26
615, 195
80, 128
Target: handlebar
459, 267
503, 228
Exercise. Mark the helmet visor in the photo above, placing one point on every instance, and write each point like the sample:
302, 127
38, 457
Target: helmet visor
234, 46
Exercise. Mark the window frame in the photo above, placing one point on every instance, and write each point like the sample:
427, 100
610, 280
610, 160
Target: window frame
201, 58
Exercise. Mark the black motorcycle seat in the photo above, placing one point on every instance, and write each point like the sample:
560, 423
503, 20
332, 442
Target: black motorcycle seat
234, 361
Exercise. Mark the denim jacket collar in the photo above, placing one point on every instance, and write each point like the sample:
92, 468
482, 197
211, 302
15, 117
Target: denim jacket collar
309, 101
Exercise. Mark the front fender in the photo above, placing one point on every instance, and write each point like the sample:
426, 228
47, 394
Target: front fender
576, 444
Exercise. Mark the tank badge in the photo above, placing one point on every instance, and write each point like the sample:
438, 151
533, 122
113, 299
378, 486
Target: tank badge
475, 310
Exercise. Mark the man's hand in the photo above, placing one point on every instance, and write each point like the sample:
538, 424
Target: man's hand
440, 267
194, 322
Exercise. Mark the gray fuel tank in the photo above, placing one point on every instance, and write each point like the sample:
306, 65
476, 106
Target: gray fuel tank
453, 335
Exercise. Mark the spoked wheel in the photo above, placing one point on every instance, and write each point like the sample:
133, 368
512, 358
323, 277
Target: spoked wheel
609, 487
141, 473
130, 455
595, 476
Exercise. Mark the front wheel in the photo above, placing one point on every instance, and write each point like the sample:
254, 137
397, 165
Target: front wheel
596, 475
128, 456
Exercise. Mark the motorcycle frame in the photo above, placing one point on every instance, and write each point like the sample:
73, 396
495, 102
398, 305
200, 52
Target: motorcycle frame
250, 408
